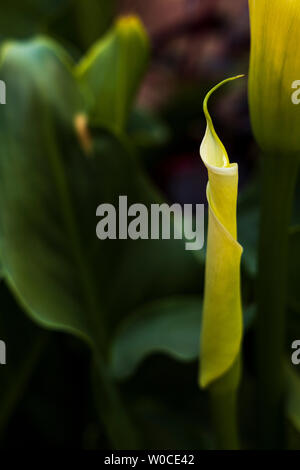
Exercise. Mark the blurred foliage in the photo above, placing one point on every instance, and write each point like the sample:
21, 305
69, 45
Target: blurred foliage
52, 261
111, 73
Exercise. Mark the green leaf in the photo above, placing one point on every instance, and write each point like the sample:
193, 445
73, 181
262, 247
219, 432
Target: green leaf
37, 219
169, 326
62, 274
111, 73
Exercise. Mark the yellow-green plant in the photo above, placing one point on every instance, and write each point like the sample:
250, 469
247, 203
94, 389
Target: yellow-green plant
274, 68
222, 312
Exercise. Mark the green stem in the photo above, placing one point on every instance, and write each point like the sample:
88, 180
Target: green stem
224, 414
279, 174
223, 395
111, 410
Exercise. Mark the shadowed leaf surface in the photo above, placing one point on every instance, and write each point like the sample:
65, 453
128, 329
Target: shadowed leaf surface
63, 275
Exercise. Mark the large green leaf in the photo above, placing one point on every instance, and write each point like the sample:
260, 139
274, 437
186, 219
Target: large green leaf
62, 274
34, 182
111, 72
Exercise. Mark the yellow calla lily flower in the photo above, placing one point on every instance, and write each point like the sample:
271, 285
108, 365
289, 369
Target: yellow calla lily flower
274, 76
222, 314
274, 98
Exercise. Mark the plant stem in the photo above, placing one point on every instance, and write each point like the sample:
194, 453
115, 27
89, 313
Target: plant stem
278, 181
224, 414
111, 410
223, 395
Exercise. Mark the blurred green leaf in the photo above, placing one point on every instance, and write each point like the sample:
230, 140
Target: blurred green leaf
31, 238
170, 326
111, 72
63, 275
